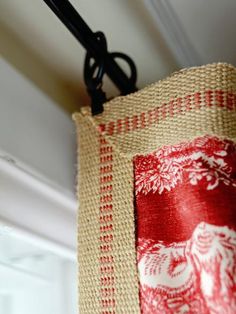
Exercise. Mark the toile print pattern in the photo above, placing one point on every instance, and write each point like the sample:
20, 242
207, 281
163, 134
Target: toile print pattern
204, 159
186, 227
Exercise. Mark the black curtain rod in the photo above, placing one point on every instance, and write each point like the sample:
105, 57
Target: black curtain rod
77, 26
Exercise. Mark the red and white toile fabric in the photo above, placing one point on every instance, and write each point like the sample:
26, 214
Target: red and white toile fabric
186, 227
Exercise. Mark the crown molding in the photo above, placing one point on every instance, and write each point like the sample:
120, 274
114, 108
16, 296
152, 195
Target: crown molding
35, 212
37, 166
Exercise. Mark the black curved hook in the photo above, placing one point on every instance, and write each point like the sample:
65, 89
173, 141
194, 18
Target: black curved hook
133, 70
94, 73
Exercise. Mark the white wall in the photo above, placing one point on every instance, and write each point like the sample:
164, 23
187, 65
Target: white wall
37, 201
37, 162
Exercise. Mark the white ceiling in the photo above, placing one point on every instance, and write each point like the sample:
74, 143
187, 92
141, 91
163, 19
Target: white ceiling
160, 35
210, 26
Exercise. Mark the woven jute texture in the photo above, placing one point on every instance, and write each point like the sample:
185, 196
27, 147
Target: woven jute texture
190, 103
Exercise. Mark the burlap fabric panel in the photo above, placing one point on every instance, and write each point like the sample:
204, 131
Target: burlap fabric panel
190, 103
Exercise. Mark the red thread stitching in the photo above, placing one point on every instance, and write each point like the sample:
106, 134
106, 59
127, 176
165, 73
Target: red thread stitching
106, 218
107, 292
176, 106
135, 122
188, 103
197, 100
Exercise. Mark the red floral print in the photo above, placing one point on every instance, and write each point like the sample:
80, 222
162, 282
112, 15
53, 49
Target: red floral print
204, 159
186, 227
